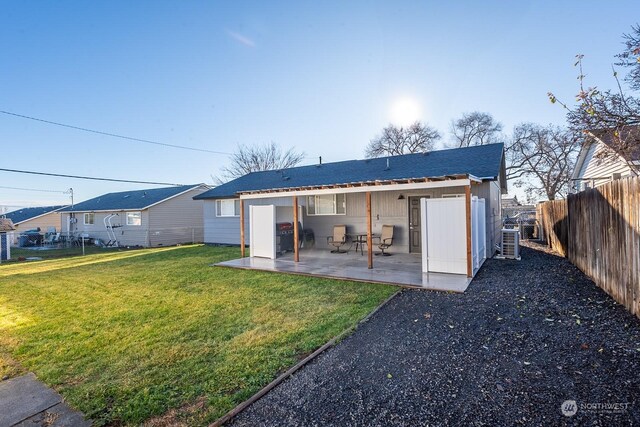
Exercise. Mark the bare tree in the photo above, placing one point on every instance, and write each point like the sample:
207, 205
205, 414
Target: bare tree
630, 56
475, 128
541, 158
612, 113
256, 158
417, 138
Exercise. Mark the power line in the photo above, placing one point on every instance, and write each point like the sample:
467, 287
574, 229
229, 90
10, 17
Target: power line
89, 177
147, 141
33, 189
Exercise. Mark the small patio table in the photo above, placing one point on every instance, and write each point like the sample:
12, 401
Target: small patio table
360, 239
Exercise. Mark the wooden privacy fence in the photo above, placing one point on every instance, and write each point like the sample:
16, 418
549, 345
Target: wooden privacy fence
552, 217
599, 231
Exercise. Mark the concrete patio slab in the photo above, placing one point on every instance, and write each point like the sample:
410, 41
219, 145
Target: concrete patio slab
26, 401
399, 269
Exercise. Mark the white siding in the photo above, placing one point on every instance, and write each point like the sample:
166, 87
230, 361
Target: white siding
594, 166
177, 220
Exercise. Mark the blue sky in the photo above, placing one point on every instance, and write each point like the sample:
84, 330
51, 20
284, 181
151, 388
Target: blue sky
321, 77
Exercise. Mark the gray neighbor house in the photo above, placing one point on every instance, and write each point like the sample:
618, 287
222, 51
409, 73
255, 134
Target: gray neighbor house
329, 194
149, 218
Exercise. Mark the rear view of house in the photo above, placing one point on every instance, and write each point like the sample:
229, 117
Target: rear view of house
45, 218
153, 217
331, 194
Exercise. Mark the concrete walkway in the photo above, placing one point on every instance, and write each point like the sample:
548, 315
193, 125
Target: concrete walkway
26, 401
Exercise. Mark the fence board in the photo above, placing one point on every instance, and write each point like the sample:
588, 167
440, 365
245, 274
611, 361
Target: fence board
602, 239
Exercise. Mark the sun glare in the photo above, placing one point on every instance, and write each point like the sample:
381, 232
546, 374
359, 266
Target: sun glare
404, 111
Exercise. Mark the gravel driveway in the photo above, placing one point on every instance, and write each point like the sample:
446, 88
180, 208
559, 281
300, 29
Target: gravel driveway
524, 338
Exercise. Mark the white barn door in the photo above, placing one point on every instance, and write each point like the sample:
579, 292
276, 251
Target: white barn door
444, 235
262, 235
478, 232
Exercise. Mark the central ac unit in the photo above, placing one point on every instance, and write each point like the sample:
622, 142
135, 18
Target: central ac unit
510, 247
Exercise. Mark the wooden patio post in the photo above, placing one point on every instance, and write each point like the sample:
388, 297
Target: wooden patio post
296, 237
242, 250
467, 199
369, 237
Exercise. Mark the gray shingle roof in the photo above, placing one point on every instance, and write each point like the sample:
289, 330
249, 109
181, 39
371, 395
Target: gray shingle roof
128, 200
22, 215
482, 161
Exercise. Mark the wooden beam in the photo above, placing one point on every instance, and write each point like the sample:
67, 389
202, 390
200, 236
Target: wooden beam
467, 205
296, 237
242, 250
369, 236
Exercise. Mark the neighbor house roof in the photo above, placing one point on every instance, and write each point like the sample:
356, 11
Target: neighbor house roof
6, 225
130, 200
629, 134
484, 162
22, 215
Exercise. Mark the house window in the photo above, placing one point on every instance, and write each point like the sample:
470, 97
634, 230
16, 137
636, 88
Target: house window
228, 207
134, 218
450, 196
89, 218
327, 204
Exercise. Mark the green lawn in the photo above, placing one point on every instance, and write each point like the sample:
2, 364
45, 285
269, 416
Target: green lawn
128, 336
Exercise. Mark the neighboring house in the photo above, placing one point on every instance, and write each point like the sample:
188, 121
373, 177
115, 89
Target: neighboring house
598, 163
511, 207
154, 217
334, 193
44, 218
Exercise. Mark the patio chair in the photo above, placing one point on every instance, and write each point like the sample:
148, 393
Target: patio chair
338, 239
386, 240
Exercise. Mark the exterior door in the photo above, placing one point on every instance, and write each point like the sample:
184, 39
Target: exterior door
415, 224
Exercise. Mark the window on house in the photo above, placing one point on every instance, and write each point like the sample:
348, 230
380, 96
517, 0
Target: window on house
327, 204
228, 207
449, 196
134, 218
89, 218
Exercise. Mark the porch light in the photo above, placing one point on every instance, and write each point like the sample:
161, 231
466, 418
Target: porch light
401, 197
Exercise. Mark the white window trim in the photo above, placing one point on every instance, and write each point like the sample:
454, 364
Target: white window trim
335, 205
84, 218
219, 208
133, 212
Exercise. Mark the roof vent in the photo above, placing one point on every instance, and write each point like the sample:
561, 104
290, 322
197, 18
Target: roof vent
388, 167
126, 196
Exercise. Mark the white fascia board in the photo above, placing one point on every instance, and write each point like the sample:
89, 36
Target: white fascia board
362, 189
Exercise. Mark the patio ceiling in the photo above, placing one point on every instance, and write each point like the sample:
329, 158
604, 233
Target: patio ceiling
359, 187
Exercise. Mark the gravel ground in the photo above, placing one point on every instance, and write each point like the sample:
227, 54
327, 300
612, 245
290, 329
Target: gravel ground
524, 338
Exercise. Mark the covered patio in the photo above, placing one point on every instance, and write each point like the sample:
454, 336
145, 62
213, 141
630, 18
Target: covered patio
400, 269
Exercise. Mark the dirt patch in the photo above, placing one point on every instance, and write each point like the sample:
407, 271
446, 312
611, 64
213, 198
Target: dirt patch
180, 417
